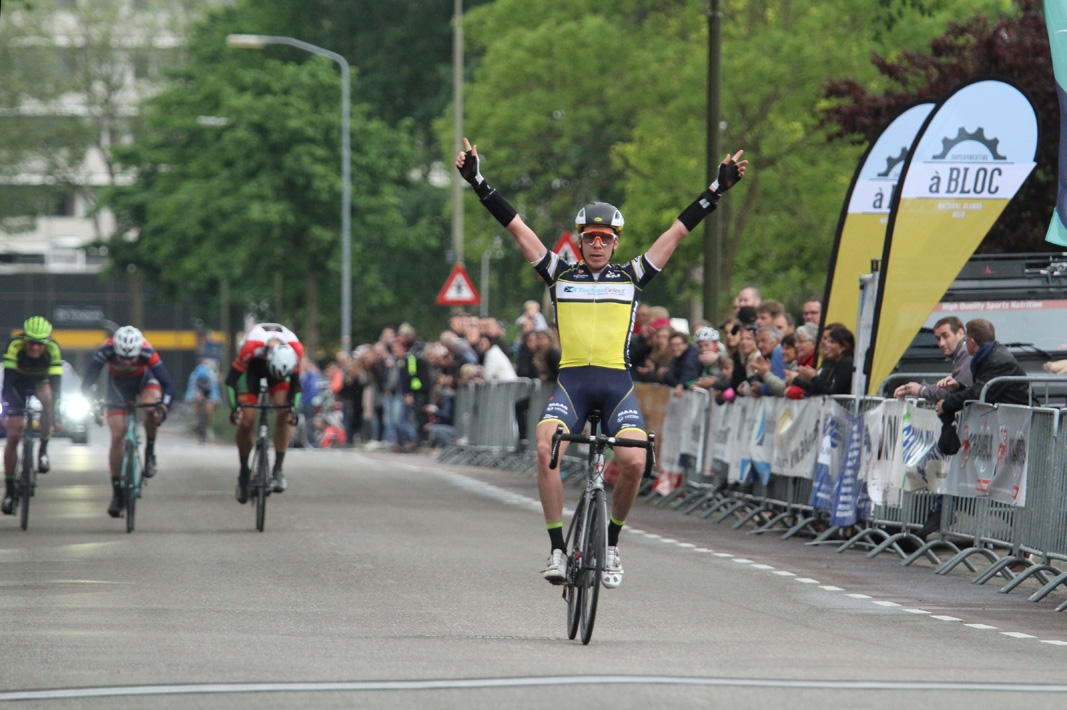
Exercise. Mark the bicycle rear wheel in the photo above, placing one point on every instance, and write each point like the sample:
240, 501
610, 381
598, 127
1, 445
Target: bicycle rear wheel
25, 483
572, 590
594, 553
129, 483
261, 465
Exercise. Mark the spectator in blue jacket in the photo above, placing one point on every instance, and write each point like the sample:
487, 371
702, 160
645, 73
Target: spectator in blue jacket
769, 367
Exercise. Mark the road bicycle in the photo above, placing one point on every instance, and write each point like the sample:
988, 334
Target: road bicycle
259, 486
131, 482
587, 536
26, 480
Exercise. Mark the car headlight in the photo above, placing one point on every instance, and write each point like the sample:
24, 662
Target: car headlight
77, 406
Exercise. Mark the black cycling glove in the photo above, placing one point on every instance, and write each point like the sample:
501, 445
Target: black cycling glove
493, 200
729, 175
705, 204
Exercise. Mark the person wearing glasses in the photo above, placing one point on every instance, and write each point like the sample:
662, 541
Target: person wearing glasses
595, 302
135, 373
33, 365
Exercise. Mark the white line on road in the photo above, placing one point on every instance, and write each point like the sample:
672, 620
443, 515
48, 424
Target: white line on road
482, 683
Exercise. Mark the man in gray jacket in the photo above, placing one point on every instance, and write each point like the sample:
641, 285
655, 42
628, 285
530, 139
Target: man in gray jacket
952, 341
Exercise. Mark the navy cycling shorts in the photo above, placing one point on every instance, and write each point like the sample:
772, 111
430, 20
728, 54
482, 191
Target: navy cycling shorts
582, 389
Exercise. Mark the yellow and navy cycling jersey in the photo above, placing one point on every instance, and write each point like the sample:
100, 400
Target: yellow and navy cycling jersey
595, 313
49, 364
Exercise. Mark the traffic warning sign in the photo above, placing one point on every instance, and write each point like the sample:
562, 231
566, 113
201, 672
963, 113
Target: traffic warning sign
458, 289
567, 249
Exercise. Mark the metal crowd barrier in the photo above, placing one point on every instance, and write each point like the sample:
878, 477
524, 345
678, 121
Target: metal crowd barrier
1015, 542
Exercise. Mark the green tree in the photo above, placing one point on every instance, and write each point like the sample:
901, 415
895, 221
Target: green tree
72, 75
238, 179
1013, 46
583, 101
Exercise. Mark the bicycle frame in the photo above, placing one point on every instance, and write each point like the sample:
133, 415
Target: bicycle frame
26, 478
260, 486
131, 480
587, 534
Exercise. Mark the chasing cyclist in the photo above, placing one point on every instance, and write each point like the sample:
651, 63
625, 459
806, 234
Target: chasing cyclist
32, 366
595, 302
203, 392
269, 351
135, 373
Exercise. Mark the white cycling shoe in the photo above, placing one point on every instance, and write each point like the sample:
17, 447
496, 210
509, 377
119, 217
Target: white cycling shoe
612, 576
556, 571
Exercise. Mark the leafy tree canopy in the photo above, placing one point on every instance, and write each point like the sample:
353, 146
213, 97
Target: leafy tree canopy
239, 179
583, 101
1012, 46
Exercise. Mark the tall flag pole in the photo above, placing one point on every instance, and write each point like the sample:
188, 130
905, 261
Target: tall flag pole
972, 156
861, 230
1056, 22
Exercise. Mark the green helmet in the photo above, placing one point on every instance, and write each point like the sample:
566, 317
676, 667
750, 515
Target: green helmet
37, 328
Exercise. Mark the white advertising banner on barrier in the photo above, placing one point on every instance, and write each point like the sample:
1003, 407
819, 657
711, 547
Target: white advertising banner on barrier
882, 448
1008, 484
739, 438
831, 454
920, 460
725, 423
971, 469
797, 447
669, 475
760, 425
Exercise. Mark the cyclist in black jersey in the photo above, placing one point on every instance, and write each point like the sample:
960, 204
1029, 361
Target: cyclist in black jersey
33, 365
595, 302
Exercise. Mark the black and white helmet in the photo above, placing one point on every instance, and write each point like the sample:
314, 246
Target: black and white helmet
128, 340
281, 361
599, 214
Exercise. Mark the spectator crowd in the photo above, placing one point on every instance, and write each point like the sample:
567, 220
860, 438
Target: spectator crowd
399, 391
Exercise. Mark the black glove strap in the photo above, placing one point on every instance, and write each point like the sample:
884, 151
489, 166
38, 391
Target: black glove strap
695, 213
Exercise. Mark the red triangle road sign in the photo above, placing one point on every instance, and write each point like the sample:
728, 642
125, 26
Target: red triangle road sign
458, 289
567, 249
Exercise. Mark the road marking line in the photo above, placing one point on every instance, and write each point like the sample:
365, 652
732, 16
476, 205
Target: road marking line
481, 683
526, 501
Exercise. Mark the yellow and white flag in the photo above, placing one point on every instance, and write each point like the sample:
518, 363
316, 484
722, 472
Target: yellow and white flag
974, 153
862, 228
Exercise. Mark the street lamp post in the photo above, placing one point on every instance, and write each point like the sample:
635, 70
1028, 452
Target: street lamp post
259, 42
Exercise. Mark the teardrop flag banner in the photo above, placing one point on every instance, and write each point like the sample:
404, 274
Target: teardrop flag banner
1056, 22
972, 156
862, 228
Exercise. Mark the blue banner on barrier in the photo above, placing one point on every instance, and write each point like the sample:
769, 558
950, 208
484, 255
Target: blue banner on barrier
834, 429
845, 509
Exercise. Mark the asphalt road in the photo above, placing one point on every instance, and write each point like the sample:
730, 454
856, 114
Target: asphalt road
387, 580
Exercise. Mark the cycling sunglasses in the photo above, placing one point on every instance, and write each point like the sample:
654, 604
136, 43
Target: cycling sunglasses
598, 238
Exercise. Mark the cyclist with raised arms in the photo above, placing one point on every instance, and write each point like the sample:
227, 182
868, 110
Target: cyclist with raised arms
269, 351
33, 365
135, 373
595, 302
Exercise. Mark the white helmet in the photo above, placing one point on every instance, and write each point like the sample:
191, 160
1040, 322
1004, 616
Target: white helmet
281, 361
707, 333
128, 341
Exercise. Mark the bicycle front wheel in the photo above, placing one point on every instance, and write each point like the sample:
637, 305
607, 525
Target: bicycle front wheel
25, 480
129, 483
572, 590
262, 483
594, 554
